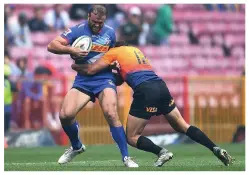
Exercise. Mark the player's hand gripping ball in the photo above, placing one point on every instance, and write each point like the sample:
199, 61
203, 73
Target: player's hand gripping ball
83, 45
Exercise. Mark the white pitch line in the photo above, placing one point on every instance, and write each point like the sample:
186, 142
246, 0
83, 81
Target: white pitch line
56, 163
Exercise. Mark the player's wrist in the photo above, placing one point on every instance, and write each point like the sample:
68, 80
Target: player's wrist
70, 50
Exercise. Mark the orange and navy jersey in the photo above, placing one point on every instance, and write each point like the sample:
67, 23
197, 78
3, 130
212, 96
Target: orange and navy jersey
134, 66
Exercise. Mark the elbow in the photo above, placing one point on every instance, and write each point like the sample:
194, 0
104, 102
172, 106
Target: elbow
49, 47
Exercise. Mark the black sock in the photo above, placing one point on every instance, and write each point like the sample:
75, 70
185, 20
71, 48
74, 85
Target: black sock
146, 144
197, 135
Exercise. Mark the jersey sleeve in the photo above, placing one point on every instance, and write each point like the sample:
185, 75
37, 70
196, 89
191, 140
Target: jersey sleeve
70, 35
109, 56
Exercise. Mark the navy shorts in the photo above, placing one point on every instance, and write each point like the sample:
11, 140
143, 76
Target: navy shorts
151, 98
93, 87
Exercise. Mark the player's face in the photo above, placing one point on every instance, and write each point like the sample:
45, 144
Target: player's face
96, 22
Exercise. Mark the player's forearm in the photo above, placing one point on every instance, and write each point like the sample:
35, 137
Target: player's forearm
81, 68
57, 48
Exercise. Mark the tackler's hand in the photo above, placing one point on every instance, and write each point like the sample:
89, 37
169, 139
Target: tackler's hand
115, 65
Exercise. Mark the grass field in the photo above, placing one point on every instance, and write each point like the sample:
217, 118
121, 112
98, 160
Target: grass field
190, 157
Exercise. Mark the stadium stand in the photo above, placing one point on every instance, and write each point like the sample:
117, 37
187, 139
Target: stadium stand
218, 49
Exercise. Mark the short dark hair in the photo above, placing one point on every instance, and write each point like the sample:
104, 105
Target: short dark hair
24, 59
99, 9
121, 43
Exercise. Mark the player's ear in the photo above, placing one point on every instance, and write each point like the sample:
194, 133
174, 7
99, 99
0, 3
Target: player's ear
89, 15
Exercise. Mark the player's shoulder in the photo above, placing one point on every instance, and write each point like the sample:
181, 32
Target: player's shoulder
108, 28
80, 29
81, 25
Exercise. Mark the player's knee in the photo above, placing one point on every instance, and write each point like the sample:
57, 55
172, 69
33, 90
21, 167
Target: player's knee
110, 112
180, 130
184, 128
113, 119
112, 115
131, 137
66, 117
67, 114
181, 127
131, 140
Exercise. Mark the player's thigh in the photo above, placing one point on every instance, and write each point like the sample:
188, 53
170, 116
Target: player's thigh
135, 126
73, 102
108, 102
176, 120
167, 103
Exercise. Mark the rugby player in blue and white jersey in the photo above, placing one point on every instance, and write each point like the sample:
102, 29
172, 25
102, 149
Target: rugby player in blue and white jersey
86, 88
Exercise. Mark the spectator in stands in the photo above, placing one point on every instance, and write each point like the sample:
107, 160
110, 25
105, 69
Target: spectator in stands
223, 7
112, 10
214, 7
163, 26
131, 30
115, 17
32, 95
37, 23
79, 11
9, 88
145, 37
57, 18
192, 37
13, 67
8, 17
226, 50
219, 40
117, 21
21, 32
22, 68
8, 37
53, 104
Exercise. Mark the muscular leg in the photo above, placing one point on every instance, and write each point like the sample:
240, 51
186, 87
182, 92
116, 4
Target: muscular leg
108, 103
178, 123
134, 129
73, 102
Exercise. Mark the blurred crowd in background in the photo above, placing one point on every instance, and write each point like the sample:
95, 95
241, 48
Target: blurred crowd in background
29, 28
138, 26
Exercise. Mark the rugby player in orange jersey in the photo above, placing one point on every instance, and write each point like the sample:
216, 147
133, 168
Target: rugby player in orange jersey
151, 97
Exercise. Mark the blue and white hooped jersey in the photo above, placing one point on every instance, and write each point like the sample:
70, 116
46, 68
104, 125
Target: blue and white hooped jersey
101, 43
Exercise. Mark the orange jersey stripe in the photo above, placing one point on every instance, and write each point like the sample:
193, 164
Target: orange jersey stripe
131, 59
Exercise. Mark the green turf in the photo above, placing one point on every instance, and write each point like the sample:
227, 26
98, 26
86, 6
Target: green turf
190, 157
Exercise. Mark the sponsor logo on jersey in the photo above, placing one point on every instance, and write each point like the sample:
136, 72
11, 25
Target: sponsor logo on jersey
99, 48
151, 109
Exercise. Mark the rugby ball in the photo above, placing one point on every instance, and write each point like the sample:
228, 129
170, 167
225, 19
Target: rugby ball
84, 43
